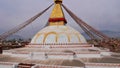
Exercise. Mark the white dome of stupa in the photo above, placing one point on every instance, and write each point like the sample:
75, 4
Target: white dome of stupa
58, 34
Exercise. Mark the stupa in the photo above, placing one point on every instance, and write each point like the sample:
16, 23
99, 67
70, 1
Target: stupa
57, 32
59, 46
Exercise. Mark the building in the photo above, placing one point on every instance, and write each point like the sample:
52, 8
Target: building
59, 46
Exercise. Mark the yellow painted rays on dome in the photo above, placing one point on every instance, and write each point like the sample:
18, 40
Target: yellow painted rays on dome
58, 34
47, 34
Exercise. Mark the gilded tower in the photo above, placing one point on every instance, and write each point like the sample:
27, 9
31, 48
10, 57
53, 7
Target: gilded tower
57, 16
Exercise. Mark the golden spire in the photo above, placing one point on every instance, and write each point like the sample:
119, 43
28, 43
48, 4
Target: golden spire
57, 15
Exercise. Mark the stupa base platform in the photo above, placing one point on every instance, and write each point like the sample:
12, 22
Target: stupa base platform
62, 63
67, 56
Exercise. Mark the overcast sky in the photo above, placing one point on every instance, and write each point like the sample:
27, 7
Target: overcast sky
101, 14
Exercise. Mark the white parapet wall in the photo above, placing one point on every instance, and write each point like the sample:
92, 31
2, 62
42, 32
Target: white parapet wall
88, 55
7, 65
102, 65
54, 66
103, 53
56, 55
51, 55
14, 65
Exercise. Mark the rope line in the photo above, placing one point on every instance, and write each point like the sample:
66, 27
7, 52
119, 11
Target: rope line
23, 25
87, 28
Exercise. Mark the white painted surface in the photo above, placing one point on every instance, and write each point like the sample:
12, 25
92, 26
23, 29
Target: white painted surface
63, 34
105, 53
88, 55
101, 67
6, 66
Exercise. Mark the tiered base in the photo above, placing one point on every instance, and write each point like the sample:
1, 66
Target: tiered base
62, 56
